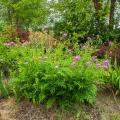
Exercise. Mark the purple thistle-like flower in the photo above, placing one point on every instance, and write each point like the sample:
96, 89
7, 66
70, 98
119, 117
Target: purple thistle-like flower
88, 64
106, 62
64, 35
98, 65
77, 58
83, 47
93, 58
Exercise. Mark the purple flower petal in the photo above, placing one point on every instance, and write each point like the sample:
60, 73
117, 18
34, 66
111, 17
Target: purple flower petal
77, 58
98, 65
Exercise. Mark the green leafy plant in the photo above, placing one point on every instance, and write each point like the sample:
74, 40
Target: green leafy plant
57, 78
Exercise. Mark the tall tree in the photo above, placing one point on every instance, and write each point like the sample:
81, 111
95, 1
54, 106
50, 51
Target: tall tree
24, 12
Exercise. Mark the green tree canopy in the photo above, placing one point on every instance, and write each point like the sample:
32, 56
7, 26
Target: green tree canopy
24, 12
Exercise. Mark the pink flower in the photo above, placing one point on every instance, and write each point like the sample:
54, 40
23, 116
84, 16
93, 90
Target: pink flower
77, 58
106, 62
98, 65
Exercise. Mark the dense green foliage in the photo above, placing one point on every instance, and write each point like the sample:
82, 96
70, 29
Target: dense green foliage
24, 13
83, 19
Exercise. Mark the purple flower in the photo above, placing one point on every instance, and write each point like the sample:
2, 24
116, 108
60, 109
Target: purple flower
98, 65
77, 58
24, 44
88, 64
7, 44
83, 47
64, 35
106, 62
73, 63
93, 58
105, 66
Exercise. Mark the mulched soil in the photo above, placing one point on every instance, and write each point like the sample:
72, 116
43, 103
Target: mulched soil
106, 108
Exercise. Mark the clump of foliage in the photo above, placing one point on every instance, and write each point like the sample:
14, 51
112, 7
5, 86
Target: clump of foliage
113, 77
58, 77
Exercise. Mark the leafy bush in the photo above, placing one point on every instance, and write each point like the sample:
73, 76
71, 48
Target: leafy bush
113, 78
57, 77
9, 56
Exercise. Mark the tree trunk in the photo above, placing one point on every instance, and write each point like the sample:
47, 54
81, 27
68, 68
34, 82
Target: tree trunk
112, 13
97, 7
